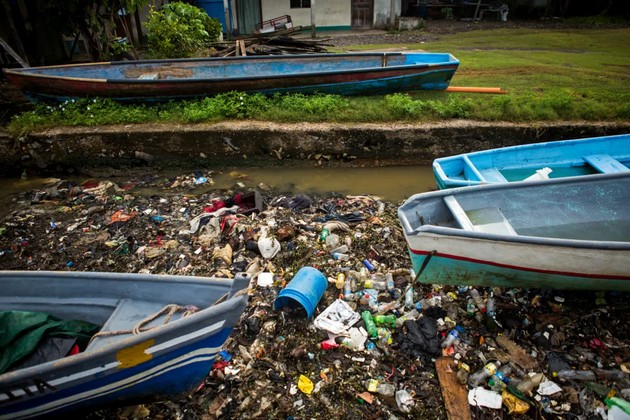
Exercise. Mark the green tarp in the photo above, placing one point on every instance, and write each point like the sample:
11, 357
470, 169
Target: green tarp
21, 333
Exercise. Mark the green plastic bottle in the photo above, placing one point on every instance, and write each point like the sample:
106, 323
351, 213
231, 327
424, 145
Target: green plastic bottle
389, 320
370, 325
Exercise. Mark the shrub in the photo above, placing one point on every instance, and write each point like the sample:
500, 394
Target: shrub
179, 30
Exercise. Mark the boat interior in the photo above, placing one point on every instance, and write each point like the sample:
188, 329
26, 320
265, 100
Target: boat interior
116, 301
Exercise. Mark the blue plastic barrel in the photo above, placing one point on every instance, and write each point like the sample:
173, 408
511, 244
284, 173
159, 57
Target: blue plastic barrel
306, 289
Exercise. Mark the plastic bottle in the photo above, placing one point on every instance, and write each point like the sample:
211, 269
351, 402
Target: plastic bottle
370, 326
386, 390
372, 349
474, 294
375, 284
386, 307
332, 241
452, 336
487, 371
470, 308
409, 297
324, 234
339, 256
576, 375
530, 383
384, 339
347, 290
389, 320
341, 280
368, 264
499, 381
389, 279
490, 308
407, 316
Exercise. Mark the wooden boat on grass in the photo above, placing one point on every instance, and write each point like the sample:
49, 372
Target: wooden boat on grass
565, 233
564, 158
159, 80
181, 324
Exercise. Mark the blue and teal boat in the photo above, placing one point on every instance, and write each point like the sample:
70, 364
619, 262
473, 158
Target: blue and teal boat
556, 159
160, 80
563, 233
157, 337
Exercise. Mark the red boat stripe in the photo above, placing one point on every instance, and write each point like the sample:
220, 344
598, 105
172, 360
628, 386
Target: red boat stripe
514, 267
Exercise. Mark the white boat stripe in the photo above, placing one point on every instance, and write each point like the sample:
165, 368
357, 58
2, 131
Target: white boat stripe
154, 349
188, 337
188, 358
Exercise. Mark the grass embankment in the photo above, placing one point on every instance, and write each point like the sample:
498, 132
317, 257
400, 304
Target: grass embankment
549, 75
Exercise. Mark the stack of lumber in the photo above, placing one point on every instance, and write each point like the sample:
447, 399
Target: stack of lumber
275, 43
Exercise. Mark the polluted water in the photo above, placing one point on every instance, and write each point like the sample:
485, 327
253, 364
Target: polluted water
361, 336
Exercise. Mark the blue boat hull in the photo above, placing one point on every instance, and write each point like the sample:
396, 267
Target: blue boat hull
159, 80
566, 158
167, 357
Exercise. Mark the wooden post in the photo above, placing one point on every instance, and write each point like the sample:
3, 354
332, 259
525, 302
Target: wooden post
392, 14
313, 28
12, 53
477, 10
228, 23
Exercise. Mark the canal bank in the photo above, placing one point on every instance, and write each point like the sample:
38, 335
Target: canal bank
264, 144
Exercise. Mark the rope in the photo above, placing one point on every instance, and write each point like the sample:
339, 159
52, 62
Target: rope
168, 310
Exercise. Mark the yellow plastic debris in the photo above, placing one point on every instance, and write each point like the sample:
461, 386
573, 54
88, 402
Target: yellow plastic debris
305, 385
514, 404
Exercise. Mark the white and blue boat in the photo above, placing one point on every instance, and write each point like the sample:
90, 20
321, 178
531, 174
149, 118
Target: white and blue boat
563, 233
556, 159
159, 337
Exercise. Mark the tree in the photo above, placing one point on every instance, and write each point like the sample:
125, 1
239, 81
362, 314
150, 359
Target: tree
96, 20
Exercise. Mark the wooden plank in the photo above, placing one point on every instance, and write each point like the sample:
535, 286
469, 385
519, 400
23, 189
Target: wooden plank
13, 54
458, 213
454, 393
517, 353
242, 44
605, 164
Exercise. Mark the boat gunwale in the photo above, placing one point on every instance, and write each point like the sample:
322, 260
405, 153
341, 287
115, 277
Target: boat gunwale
538, 240
577, 161
24, 72
87, 357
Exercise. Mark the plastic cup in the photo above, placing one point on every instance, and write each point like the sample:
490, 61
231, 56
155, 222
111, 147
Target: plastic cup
305, 290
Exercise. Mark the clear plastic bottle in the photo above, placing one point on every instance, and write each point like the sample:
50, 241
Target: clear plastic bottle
409, 297
452, 336
407, 316
386, 390
490, 305
530, 383
482, 374
576, 375
375, 284
372, 349
389, 279
347, 290
474, 294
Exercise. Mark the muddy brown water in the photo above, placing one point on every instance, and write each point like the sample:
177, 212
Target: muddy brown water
392, 184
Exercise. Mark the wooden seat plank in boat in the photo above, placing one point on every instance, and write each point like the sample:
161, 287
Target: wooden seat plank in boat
493, 176
606, 164
488, 220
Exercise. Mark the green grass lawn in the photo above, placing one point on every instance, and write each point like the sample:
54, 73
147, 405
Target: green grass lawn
549, 75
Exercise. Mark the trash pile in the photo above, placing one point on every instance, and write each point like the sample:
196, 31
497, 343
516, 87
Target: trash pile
337, 324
